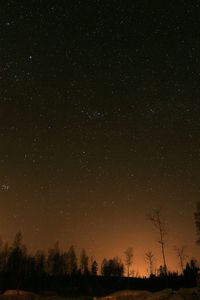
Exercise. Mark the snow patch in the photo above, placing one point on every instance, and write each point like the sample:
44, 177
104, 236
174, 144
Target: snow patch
166, 294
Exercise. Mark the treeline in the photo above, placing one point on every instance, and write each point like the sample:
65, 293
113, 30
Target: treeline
61, 271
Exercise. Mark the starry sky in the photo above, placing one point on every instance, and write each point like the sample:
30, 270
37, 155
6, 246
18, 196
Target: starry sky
99, 123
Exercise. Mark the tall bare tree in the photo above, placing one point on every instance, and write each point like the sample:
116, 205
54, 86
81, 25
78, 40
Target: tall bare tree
128, 259
180, 253
157, 220
149, 258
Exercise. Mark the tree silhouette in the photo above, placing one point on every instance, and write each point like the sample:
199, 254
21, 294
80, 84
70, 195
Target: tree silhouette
72, 261
128, 259
161, 271
180, 253
197, 221
40, 265
54, 261
94, 268
17, 261
191, 270
149, 257
112, 267
65, 261
156, 218
4, 253
57, 271
84, 262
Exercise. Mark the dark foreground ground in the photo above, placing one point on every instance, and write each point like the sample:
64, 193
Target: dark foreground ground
166, 294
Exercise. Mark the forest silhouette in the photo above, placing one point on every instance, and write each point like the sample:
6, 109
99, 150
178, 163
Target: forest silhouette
63, 273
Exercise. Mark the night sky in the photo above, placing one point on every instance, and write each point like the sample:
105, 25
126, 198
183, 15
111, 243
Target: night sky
100, 123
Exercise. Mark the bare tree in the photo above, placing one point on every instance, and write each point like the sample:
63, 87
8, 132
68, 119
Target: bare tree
156, 218
128, 259
149, 257
197, 221
180, 253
